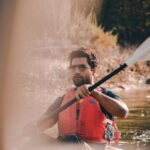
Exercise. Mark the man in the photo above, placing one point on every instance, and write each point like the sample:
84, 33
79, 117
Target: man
91, 118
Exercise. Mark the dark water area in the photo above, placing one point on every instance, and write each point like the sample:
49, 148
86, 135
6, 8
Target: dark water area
135, 129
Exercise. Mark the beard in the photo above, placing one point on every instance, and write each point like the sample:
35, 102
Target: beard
78, 80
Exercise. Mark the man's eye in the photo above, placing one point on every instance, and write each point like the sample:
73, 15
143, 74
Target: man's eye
80, 67
83, 66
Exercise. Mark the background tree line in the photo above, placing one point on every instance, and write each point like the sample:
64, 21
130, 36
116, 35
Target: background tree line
128, 19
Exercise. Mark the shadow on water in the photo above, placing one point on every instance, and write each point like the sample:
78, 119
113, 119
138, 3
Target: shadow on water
135, 129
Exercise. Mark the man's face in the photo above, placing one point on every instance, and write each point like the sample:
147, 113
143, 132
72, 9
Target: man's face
81, 72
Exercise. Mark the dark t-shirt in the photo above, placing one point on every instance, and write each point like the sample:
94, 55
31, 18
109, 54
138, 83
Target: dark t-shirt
57, 103
113, 95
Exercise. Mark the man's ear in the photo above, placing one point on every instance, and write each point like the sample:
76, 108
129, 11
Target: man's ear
93, 71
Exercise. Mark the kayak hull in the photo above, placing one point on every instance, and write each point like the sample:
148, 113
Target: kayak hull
48, 143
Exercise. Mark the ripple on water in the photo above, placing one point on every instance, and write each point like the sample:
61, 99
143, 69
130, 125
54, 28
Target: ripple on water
135, 129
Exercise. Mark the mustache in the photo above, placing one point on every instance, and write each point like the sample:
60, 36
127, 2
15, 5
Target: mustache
77, 76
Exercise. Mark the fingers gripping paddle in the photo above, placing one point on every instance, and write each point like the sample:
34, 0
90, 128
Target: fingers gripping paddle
142, 53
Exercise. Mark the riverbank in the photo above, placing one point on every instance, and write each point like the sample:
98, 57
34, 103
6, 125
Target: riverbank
119, 87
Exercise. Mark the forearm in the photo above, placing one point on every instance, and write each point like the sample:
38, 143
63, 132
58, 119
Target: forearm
115, 107
45, 122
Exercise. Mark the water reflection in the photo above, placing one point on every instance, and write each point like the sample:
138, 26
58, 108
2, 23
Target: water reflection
135, 129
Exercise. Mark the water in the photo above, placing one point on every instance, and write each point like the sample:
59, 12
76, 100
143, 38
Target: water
135, 129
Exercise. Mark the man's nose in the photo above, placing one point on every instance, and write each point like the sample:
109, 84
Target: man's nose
76, 70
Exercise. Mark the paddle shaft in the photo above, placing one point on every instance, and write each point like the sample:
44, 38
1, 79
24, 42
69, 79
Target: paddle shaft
91, 88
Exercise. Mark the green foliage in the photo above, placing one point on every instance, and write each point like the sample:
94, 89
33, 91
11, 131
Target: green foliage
128, 19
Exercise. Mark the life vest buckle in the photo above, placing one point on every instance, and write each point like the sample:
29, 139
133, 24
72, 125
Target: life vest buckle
109, 132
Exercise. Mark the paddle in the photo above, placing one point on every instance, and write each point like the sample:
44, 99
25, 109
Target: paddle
142, 53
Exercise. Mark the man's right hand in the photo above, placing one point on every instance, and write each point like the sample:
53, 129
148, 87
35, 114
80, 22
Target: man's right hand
82, 91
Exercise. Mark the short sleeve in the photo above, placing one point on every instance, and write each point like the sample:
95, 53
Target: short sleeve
110, 94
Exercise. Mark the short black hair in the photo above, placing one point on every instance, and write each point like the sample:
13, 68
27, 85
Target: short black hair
85, 52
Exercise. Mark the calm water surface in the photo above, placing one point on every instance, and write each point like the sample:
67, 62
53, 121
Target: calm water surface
135, 129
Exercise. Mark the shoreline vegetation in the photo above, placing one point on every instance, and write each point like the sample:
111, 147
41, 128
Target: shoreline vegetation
84, 30
110, 55
46, 54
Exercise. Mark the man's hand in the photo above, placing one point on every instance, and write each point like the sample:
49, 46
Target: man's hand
82, 91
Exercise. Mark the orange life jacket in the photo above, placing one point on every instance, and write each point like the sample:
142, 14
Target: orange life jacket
89, 125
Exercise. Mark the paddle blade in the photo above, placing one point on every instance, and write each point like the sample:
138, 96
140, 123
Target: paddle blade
142, 53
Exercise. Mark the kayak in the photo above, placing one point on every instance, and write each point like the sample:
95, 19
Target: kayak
49, 143
83, 146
